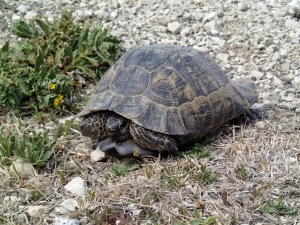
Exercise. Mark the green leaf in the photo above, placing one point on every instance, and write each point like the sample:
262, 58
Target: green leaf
68, 51
83, 39
43, 72
53, 72
23, 29
39, 61
4, 51
197, 214
43, 25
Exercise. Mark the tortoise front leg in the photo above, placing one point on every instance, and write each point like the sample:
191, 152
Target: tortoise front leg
125, 148
152, 140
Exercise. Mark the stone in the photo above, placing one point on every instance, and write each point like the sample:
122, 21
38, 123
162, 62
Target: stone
66, 221
270, 49
292, 25
285, 67
30, 15
223, 57
22, 8
286, 105
113, 15
76, 186
296, 83
67, 206
185, 31
212, 27
257, 74
97, 155
277, 82
15, 17
243, 5
22, 168
289, 98
174, 27
37, 211
210, 16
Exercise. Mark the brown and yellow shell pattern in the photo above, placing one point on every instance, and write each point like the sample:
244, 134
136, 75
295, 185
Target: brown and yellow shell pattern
173, 90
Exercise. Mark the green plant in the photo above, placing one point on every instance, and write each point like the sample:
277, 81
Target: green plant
241, 172
36, 195
172, 179
35, 148
277, 207
204, 177
65, 128
198, 151
123, 169
7, 144
38, 71
198, 220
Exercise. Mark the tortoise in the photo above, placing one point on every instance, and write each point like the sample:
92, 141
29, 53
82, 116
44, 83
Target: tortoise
157, 98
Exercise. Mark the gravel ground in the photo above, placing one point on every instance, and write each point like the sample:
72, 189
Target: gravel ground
253, 39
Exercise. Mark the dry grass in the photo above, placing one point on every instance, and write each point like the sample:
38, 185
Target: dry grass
252, 167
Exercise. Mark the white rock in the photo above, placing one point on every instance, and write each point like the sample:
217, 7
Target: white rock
286, 105
212, 27
270, 49
198, 15
185, 31
76, 186
218, 41
37, 211
65, 221
29, 15
292, 24
284, 52
174, 27
82, 5
15, 17
223, 57
210, 16
296, 83
285, 67
127, 45
22, 8
67, 206
277, 81
78, 14
113, 15
295, 37
87, 13
257, 74
66, 119
22, 168
289, 98
244, 5
260, 125
97, 155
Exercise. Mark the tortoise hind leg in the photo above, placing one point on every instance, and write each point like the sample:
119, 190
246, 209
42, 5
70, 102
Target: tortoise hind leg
152, 140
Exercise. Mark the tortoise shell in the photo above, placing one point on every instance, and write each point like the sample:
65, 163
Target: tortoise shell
171, 89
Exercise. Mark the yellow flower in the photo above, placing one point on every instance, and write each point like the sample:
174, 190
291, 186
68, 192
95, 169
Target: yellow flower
52, 86
58, 100
60, 97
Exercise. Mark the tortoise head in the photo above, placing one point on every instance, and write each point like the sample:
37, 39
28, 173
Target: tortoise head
117, 127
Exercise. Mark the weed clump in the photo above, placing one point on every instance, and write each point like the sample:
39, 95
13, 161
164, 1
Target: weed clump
43, 70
